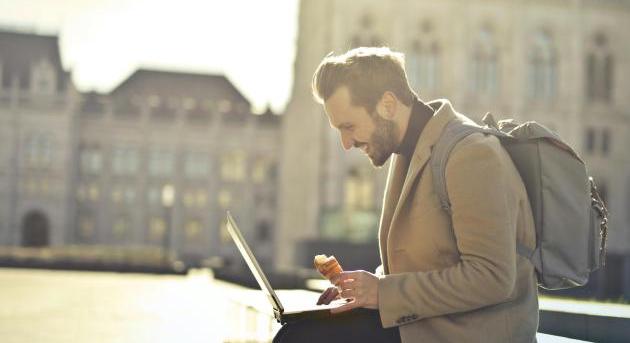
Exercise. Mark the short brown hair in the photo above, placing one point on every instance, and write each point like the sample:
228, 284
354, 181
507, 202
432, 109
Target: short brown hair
368, 72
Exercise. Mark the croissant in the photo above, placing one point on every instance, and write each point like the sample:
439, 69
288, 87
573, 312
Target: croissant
327, 266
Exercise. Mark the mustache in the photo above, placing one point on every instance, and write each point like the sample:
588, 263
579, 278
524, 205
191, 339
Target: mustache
359, 144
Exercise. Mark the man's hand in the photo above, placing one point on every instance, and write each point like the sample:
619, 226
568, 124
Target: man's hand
328, 295
360, 287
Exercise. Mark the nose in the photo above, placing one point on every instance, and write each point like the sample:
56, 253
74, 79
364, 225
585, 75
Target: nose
347, 141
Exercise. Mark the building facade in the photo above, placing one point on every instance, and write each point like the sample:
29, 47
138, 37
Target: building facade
92, 168
562, 63
36, 118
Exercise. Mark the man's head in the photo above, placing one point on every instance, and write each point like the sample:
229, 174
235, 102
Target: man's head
367, 97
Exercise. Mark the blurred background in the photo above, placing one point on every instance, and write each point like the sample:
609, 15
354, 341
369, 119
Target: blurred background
128, 128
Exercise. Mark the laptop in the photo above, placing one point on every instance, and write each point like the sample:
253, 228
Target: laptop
283, 315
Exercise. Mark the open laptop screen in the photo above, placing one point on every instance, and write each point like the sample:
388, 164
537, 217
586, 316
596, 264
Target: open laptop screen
252, 263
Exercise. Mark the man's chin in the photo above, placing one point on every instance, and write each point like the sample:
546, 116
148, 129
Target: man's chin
379, 161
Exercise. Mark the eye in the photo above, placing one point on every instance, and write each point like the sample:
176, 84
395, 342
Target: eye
348, 127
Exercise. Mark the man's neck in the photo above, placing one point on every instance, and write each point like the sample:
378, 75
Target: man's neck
415, 119
403, 123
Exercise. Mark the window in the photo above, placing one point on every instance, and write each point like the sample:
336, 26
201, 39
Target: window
263, 170
24, 78
121, 226
422, 61
39, 150
86, 227
196, 165
162, 108
233, 166
590, 140
189, 104
359, 190
87, 192
123, 195
605, 141
193, 230
224, 198
128, 106
195, 198
125, 160
161, 163
263, 231
198, 112
598, 140
365, 35
224, 235
484, 70
225, 106
157, 228
91, 160
422, 66
542, 67
154, 196
93, 192
44, 78
599, 70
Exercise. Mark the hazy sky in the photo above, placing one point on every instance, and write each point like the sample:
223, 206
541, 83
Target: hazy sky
103, 41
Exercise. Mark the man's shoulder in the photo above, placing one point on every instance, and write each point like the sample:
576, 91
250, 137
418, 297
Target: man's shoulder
478, 144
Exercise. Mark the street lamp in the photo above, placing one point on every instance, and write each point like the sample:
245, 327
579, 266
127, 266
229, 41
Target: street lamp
168, 199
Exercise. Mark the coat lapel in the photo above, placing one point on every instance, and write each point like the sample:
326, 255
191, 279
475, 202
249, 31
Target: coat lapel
398, 189
395, 177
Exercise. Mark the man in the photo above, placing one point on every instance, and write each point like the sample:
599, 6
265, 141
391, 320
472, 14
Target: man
443, 278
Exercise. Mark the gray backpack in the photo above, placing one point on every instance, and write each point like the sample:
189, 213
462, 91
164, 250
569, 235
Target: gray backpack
569, 215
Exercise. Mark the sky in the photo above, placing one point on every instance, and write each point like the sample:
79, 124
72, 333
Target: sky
103, 41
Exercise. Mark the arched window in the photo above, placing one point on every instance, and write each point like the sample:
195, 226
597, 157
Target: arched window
43, 81
484, 68
359, 190
365, 35
422, 61
542, 67
599, 70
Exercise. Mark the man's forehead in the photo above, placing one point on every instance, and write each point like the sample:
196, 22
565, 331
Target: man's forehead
338, 106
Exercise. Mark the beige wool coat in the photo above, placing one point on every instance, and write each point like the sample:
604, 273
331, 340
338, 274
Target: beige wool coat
457, 278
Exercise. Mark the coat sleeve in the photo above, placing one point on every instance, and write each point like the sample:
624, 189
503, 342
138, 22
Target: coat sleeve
484, 225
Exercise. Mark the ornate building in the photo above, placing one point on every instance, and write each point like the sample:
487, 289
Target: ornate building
561, 63
92, 168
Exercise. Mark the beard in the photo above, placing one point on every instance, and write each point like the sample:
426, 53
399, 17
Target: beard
383, 141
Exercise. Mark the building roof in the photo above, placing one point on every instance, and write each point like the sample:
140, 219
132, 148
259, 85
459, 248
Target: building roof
174, 83
20, 50
268, 117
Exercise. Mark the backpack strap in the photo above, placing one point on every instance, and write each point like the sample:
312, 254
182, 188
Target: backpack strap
453, 133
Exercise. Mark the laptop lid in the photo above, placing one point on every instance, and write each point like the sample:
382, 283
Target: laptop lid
253, 265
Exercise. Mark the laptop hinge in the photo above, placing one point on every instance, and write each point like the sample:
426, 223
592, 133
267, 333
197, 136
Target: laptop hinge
278, 315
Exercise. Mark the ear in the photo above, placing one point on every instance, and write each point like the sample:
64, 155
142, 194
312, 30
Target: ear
387, 106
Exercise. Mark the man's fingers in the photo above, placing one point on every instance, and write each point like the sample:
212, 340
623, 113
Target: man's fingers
345, 276
348, 293
345, 307
346, 283
323, 296
331, 296
327, 296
